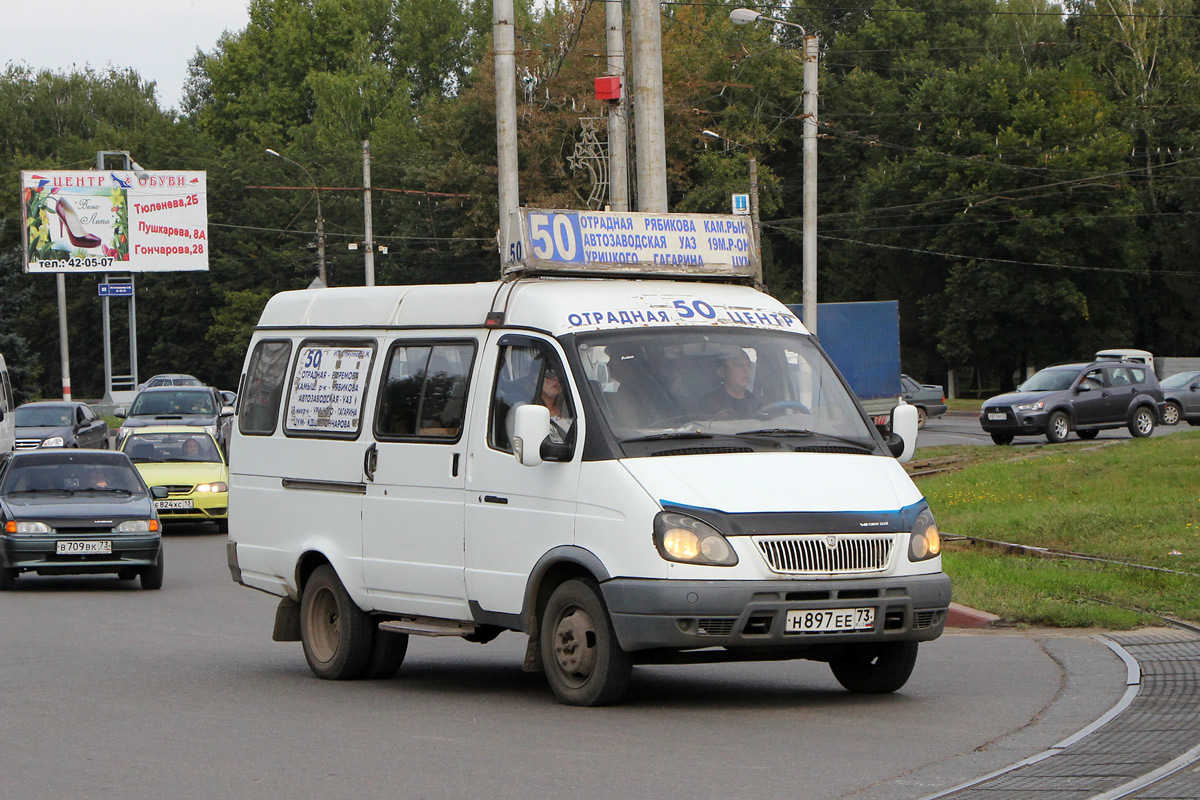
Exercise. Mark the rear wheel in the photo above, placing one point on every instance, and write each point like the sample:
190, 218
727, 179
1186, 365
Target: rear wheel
1002, 438
1142, 424
875, 668
1058, 427
1092, 434
1171, 414
335, 632
921, 417
580, 653
152, 577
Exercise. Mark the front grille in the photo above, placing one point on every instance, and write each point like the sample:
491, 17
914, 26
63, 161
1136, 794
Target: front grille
718, 626
836, 553
180, 488
926, 619
1007, 412
27, 444
705, 451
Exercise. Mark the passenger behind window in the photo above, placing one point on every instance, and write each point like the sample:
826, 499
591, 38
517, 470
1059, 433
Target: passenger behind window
639, 400
734, 399
553, 397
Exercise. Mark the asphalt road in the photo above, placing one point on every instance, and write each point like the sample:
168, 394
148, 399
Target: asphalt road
963, 428
109, 690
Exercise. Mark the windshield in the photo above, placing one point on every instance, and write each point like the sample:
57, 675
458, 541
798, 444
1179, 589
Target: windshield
170, 403
145, 448
1049, 380
1173, 382
72, 473
697, 383
43, 417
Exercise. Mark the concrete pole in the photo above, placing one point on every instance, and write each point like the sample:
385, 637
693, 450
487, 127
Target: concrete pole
320, 239
369, 245
64, 357
504, 42
809, 252
649, 128
618, 143
755, 225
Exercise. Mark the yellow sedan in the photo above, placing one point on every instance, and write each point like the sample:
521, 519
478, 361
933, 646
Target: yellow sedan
188, 462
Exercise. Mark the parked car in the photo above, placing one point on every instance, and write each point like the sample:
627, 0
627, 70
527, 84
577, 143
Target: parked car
65, 512
1181, 398
188, 463
200, 406
171, 379
929, 399
1085, 398
59, 423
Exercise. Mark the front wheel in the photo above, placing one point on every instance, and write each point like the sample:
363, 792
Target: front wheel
1142, 424
1002, 438
875, 668
1171, 414
1058, 427
335, 632
152, 576
8, 579
580, 653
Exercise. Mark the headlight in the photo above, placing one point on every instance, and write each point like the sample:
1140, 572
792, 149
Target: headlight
687, 540
1038, 406
925, 541
138, 526
53, 441
13, 526
219, 486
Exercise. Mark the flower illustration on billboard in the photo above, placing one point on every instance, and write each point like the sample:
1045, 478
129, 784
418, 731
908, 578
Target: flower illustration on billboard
63, 224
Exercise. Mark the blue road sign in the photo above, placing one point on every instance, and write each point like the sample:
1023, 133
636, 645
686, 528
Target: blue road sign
116, 290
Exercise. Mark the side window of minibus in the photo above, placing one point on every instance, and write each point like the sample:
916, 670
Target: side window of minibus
259, 402
424, 390
522, 375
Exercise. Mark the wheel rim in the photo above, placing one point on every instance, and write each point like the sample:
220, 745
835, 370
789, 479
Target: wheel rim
1060, 428
323, 625
1171, 414
575, 646
1144, 422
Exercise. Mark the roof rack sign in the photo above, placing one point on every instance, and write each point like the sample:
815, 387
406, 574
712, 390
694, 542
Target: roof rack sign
560, 242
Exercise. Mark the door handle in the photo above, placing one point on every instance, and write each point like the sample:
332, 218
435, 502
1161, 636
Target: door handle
370, 462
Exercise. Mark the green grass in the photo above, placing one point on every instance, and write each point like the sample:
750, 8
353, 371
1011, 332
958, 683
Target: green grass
1135, 501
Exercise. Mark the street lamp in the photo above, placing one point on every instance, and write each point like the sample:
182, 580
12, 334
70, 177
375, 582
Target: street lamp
745, 16
754, 223
320, 219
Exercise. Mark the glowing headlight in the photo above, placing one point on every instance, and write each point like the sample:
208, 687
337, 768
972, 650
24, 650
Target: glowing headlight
925, 541
219, 486
1038, 406
138, 526
53, 441
12, 526
687, 540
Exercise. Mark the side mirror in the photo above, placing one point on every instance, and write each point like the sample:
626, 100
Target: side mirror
1083, 387
159, 492
119, 412
226, 411
903, 441
531, 424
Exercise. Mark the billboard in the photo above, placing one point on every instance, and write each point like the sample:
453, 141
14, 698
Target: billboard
114, 221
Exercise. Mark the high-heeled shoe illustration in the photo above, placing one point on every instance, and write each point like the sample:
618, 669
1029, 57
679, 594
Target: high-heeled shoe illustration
68, 222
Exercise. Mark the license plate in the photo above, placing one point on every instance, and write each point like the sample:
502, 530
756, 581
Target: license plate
82, 548
994, 415
172, 503
819, 620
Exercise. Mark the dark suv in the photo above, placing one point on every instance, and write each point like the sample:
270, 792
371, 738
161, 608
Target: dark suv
1085, 398
202, 406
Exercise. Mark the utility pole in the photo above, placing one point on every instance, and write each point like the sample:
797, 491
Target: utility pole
809, 140
369, 245
504, 38
618, 144
320, 217
755, 234
649, 127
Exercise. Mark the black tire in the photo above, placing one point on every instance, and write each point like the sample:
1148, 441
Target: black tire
580, 653
387, 654
1142, 424
922, 418
8, 579
1002, 438
1058, 428
104, 443
335, 632
1088, 434
875, 668
1172, 413
152, 577
222, 525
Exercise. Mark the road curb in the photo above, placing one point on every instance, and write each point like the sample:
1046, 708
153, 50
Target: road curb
960, 616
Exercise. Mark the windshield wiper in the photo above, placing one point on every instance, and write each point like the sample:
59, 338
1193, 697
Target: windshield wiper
669, 435
105, 489
808, 433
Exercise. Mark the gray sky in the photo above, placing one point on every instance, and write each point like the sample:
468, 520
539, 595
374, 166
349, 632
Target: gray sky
155, 37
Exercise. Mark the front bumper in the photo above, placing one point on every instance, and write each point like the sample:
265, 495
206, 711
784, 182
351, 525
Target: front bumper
1015, 422
684, 615
37, 554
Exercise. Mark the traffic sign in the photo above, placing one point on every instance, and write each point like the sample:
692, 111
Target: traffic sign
116, 289
741, 204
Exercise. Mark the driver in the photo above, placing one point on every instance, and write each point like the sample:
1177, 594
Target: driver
733, 399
